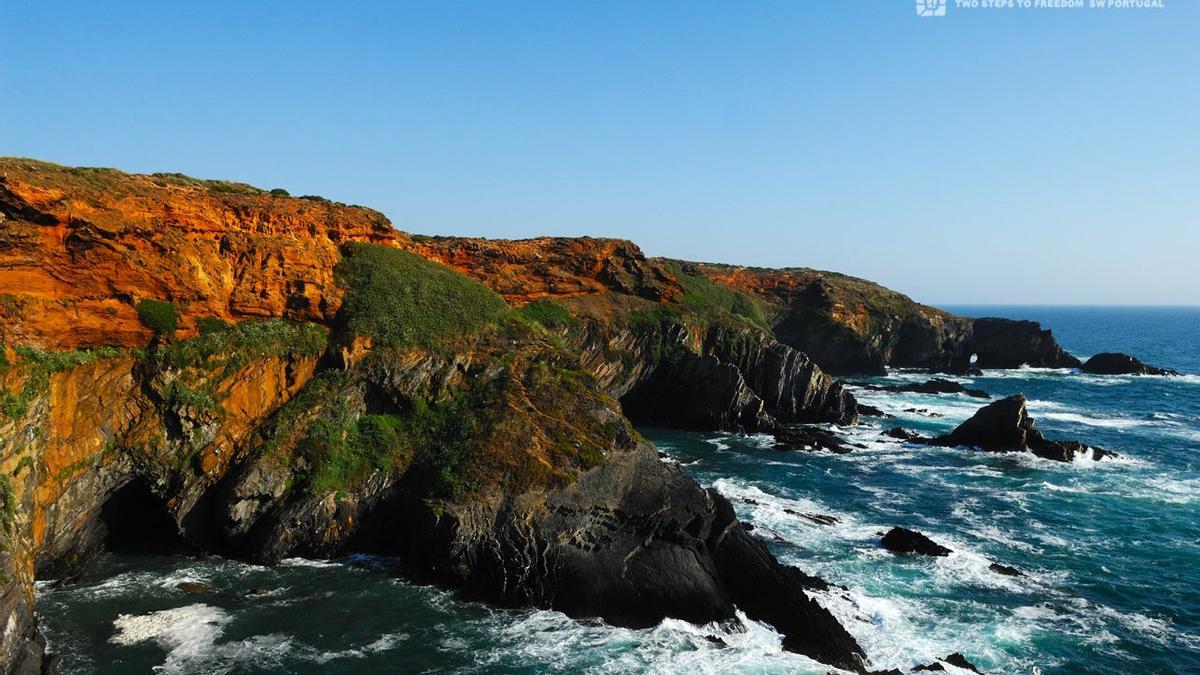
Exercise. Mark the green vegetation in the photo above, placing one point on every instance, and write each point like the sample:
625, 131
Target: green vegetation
211, 324
179, 394
431, 440
343, 446
8, 510
160, 317
42, 365
220, 186
548, 313
704, 294
233, 345
280, 192
400, 299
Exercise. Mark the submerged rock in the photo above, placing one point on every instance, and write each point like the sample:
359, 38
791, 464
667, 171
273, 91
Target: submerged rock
1113, 363
1006, 570
904, 540
193, 587
1005, 426
956, 659
923, 411
936, 385
903, 434
802, 437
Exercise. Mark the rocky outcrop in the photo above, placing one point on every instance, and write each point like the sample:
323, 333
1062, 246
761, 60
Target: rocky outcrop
684, 371
904, 540
956, 659
935, 386
1005, 343
850, 326
1005, 426
1110, 363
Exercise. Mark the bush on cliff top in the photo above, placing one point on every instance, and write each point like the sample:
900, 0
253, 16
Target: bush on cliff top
158, 316
705, 294
400, 299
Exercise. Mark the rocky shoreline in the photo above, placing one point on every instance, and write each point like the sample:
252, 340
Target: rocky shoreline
265, 377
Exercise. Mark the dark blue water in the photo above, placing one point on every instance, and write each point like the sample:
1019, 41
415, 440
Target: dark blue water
1111, 551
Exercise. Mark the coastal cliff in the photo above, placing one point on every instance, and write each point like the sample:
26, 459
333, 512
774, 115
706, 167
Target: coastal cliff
852, 326
205, 366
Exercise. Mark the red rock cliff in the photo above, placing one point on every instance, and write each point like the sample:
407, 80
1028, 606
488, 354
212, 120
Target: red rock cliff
80, 247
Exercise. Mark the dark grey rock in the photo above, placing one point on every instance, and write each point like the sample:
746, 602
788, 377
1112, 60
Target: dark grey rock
1005, 426
1112, 363
904, 540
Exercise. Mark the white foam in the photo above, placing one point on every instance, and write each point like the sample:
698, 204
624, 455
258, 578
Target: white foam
1107, 422
187, 633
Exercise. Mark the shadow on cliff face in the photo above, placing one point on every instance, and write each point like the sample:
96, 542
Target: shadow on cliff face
137, 521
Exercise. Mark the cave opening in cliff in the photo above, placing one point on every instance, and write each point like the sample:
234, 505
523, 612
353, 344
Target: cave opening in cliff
137, 521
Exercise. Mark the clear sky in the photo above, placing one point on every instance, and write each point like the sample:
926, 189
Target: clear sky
987, 156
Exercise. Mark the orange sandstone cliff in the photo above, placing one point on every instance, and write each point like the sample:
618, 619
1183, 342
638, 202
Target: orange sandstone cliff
497, 460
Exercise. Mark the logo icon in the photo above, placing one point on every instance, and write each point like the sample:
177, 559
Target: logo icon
931, 7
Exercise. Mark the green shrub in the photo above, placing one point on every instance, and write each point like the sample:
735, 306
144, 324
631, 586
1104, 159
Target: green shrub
706, 295
211, 324
160, 317
549, 314
400, 299
8, 511
280, 192
234, 345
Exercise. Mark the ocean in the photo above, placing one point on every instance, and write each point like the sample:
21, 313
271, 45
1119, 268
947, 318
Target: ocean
1110, 550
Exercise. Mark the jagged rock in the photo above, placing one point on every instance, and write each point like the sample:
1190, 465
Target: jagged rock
193, 587
1005, 426
1111, 363
810, 438
1006, 343
735, 380
903, 434
865, 410
956, 659
904, 540
817, 518
716, 640
1006, 570
698, 392
935, 386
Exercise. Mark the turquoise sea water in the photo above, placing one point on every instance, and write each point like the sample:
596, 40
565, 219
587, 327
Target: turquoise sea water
1111, 551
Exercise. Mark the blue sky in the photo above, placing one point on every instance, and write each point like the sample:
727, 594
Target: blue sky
1002, 156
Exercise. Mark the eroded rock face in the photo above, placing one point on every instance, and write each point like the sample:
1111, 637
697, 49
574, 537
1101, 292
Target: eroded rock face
1005, 426
851, 326
1110, 363
81, 247
566, 507
552, 499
